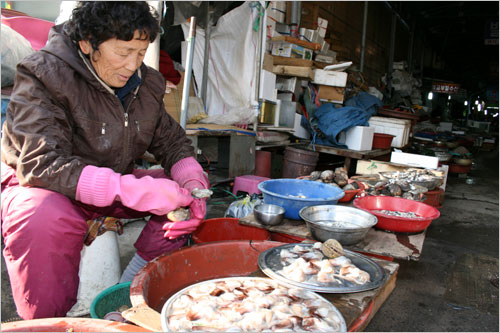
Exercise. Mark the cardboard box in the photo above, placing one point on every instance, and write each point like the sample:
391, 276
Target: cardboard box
173, 100
373, 167
276, 11
290, 50
322, 27
330, 78
331, 94
357, 138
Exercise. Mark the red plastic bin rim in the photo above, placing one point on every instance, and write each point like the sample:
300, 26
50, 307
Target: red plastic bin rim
358, 203
383, 135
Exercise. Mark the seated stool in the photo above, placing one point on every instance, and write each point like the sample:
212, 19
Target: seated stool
248, 183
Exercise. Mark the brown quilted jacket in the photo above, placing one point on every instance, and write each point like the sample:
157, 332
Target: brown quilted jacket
61, 118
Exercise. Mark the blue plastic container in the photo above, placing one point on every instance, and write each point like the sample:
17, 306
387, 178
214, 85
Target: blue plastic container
294, 194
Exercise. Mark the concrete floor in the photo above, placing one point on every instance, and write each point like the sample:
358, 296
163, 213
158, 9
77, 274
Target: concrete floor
454, 285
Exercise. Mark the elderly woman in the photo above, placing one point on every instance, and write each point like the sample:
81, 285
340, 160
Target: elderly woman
83, 109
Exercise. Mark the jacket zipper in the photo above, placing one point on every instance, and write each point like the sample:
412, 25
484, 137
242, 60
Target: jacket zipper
127, 133
103, 128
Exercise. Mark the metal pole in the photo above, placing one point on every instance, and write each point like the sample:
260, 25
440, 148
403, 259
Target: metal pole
391, 53
260, 50
187, 75
363, 38
410, 46
206, 56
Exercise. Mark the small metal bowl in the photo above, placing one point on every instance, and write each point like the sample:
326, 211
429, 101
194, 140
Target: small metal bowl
268, 214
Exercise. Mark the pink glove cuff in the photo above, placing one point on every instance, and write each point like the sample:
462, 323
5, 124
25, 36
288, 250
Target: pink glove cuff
94, 184
189, 170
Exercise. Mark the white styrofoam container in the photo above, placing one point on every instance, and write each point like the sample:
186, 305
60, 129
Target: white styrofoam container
300, 131
357, 137
415, 160
287, 114
400, 128
268, 85
330, 78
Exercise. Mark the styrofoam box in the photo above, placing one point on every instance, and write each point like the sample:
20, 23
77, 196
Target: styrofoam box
400, 128
415, 160
330, 78
357, 138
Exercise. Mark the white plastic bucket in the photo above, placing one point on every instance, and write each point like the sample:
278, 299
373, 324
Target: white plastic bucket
99, 270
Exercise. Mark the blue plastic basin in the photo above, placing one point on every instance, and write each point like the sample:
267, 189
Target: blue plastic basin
294, 194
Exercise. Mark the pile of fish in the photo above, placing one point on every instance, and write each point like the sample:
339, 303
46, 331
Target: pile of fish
411, 184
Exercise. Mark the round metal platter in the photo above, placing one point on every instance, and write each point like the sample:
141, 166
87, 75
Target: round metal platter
271, 265
166, 309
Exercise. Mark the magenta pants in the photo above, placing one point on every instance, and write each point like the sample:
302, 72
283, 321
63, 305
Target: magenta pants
43, 233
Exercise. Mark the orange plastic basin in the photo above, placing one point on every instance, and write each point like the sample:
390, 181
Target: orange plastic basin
350, 194
169, 273
227, 228
66, 324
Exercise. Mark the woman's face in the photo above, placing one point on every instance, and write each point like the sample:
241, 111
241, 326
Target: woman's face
117, 60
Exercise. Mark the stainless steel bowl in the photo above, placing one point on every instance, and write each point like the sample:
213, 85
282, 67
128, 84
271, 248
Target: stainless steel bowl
268, 214
346, 224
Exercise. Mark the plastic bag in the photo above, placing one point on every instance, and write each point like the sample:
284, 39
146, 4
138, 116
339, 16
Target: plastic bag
243, 207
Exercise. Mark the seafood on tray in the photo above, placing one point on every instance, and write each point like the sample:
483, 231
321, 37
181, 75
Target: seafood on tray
251, 304
310, 265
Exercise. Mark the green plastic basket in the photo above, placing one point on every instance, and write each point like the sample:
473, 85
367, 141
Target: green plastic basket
110, 300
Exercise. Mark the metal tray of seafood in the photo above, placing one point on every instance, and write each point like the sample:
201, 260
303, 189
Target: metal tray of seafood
168, 307
270, 263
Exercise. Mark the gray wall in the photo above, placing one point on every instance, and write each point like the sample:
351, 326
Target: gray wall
47, 10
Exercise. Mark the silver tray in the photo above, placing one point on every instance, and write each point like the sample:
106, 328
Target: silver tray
270, 264
165, 312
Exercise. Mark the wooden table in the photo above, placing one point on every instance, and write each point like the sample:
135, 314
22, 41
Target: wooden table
383, 244
348, 153
236, 146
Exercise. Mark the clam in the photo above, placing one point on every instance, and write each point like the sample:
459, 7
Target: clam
395, 190
332, 248
315, 175
340, 180
349, 187
327, 176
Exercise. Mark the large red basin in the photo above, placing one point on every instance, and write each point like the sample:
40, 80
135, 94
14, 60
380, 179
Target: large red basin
395, 223
70, 325
227, 228
169, 273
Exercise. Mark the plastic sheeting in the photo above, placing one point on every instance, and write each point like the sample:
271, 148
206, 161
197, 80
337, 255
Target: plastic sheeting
232, 66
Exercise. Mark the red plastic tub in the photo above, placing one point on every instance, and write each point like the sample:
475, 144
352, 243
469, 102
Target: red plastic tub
395, 223
227, 228
434, 198
350, 194
169, 273
284, 238
382, 141
70, 325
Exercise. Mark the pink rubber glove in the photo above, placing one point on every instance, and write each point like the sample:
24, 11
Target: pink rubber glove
102, 186
189, 173
198, 209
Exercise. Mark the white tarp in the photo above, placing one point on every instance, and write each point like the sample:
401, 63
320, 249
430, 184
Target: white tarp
232, 66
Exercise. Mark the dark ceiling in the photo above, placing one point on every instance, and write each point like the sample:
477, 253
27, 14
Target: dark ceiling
456, 31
